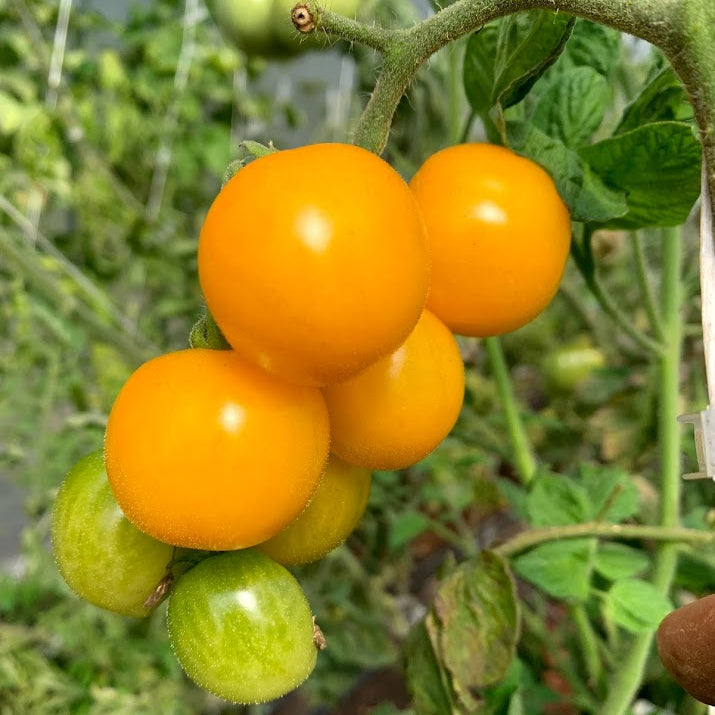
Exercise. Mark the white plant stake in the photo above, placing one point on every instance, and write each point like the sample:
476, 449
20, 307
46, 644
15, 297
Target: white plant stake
704, 421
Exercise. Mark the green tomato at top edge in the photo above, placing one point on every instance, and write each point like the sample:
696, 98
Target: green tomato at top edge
241, 627
103, 557
264, 27
247, 24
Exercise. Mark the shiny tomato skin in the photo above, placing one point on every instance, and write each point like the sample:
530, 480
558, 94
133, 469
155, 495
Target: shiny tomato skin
241, 627
499, 237
207, 451
103, 558
397, 410
334, 511
313, 262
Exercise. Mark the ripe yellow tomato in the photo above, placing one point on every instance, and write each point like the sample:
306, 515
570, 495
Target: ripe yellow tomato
205, 450
499, 236
314, 263
396, 411
333, 513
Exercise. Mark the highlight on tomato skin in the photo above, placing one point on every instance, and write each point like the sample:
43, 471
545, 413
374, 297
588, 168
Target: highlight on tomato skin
241, 627
396, 411
499, 237
309, 276
332, 514
207, 451
102, 557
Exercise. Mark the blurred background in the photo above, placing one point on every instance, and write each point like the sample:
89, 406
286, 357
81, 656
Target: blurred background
117, 121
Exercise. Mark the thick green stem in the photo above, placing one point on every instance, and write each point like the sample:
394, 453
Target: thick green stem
646, 289
523, 456
533, 537
630, 673
589, 644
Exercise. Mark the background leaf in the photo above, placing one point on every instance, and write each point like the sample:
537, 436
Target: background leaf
505, 59
586, 195
560, 568
657, 166
616, 561
572, 106
636, 605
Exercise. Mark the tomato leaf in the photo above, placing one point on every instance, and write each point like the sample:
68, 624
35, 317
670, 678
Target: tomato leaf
662, 99
587, 197
467, 641
479, 70
505, 59
572, 106
556, 500
616, 561
560, 568
474, 624
657, 166
636, 605
592, 45
426, 679
612, 494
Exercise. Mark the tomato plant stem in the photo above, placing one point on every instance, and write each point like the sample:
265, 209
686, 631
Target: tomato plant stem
630, 673
589, 644
645, 286
533, 537
611, 308
523, 456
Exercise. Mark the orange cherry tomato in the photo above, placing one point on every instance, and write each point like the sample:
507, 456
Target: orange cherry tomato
395, 412
499, 237
333, 513
313, 261
205, 450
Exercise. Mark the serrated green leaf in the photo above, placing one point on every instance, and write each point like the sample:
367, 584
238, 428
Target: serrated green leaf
657, 166
478, 69
662, 99
505, 59
572, 106
473, 625
560, 568
587, 197
529, 43
556, 500
612, 494
636, 605
592, 45
616, 561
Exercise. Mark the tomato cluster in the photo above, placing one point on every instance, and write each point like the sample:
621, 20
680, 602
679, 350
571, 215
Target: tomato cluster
337, 287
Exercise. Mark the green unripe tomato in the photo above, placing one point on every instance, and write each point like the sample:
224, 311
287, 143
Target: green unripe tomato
241, 627
248, 25
103, 557
334, 511
569, 366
